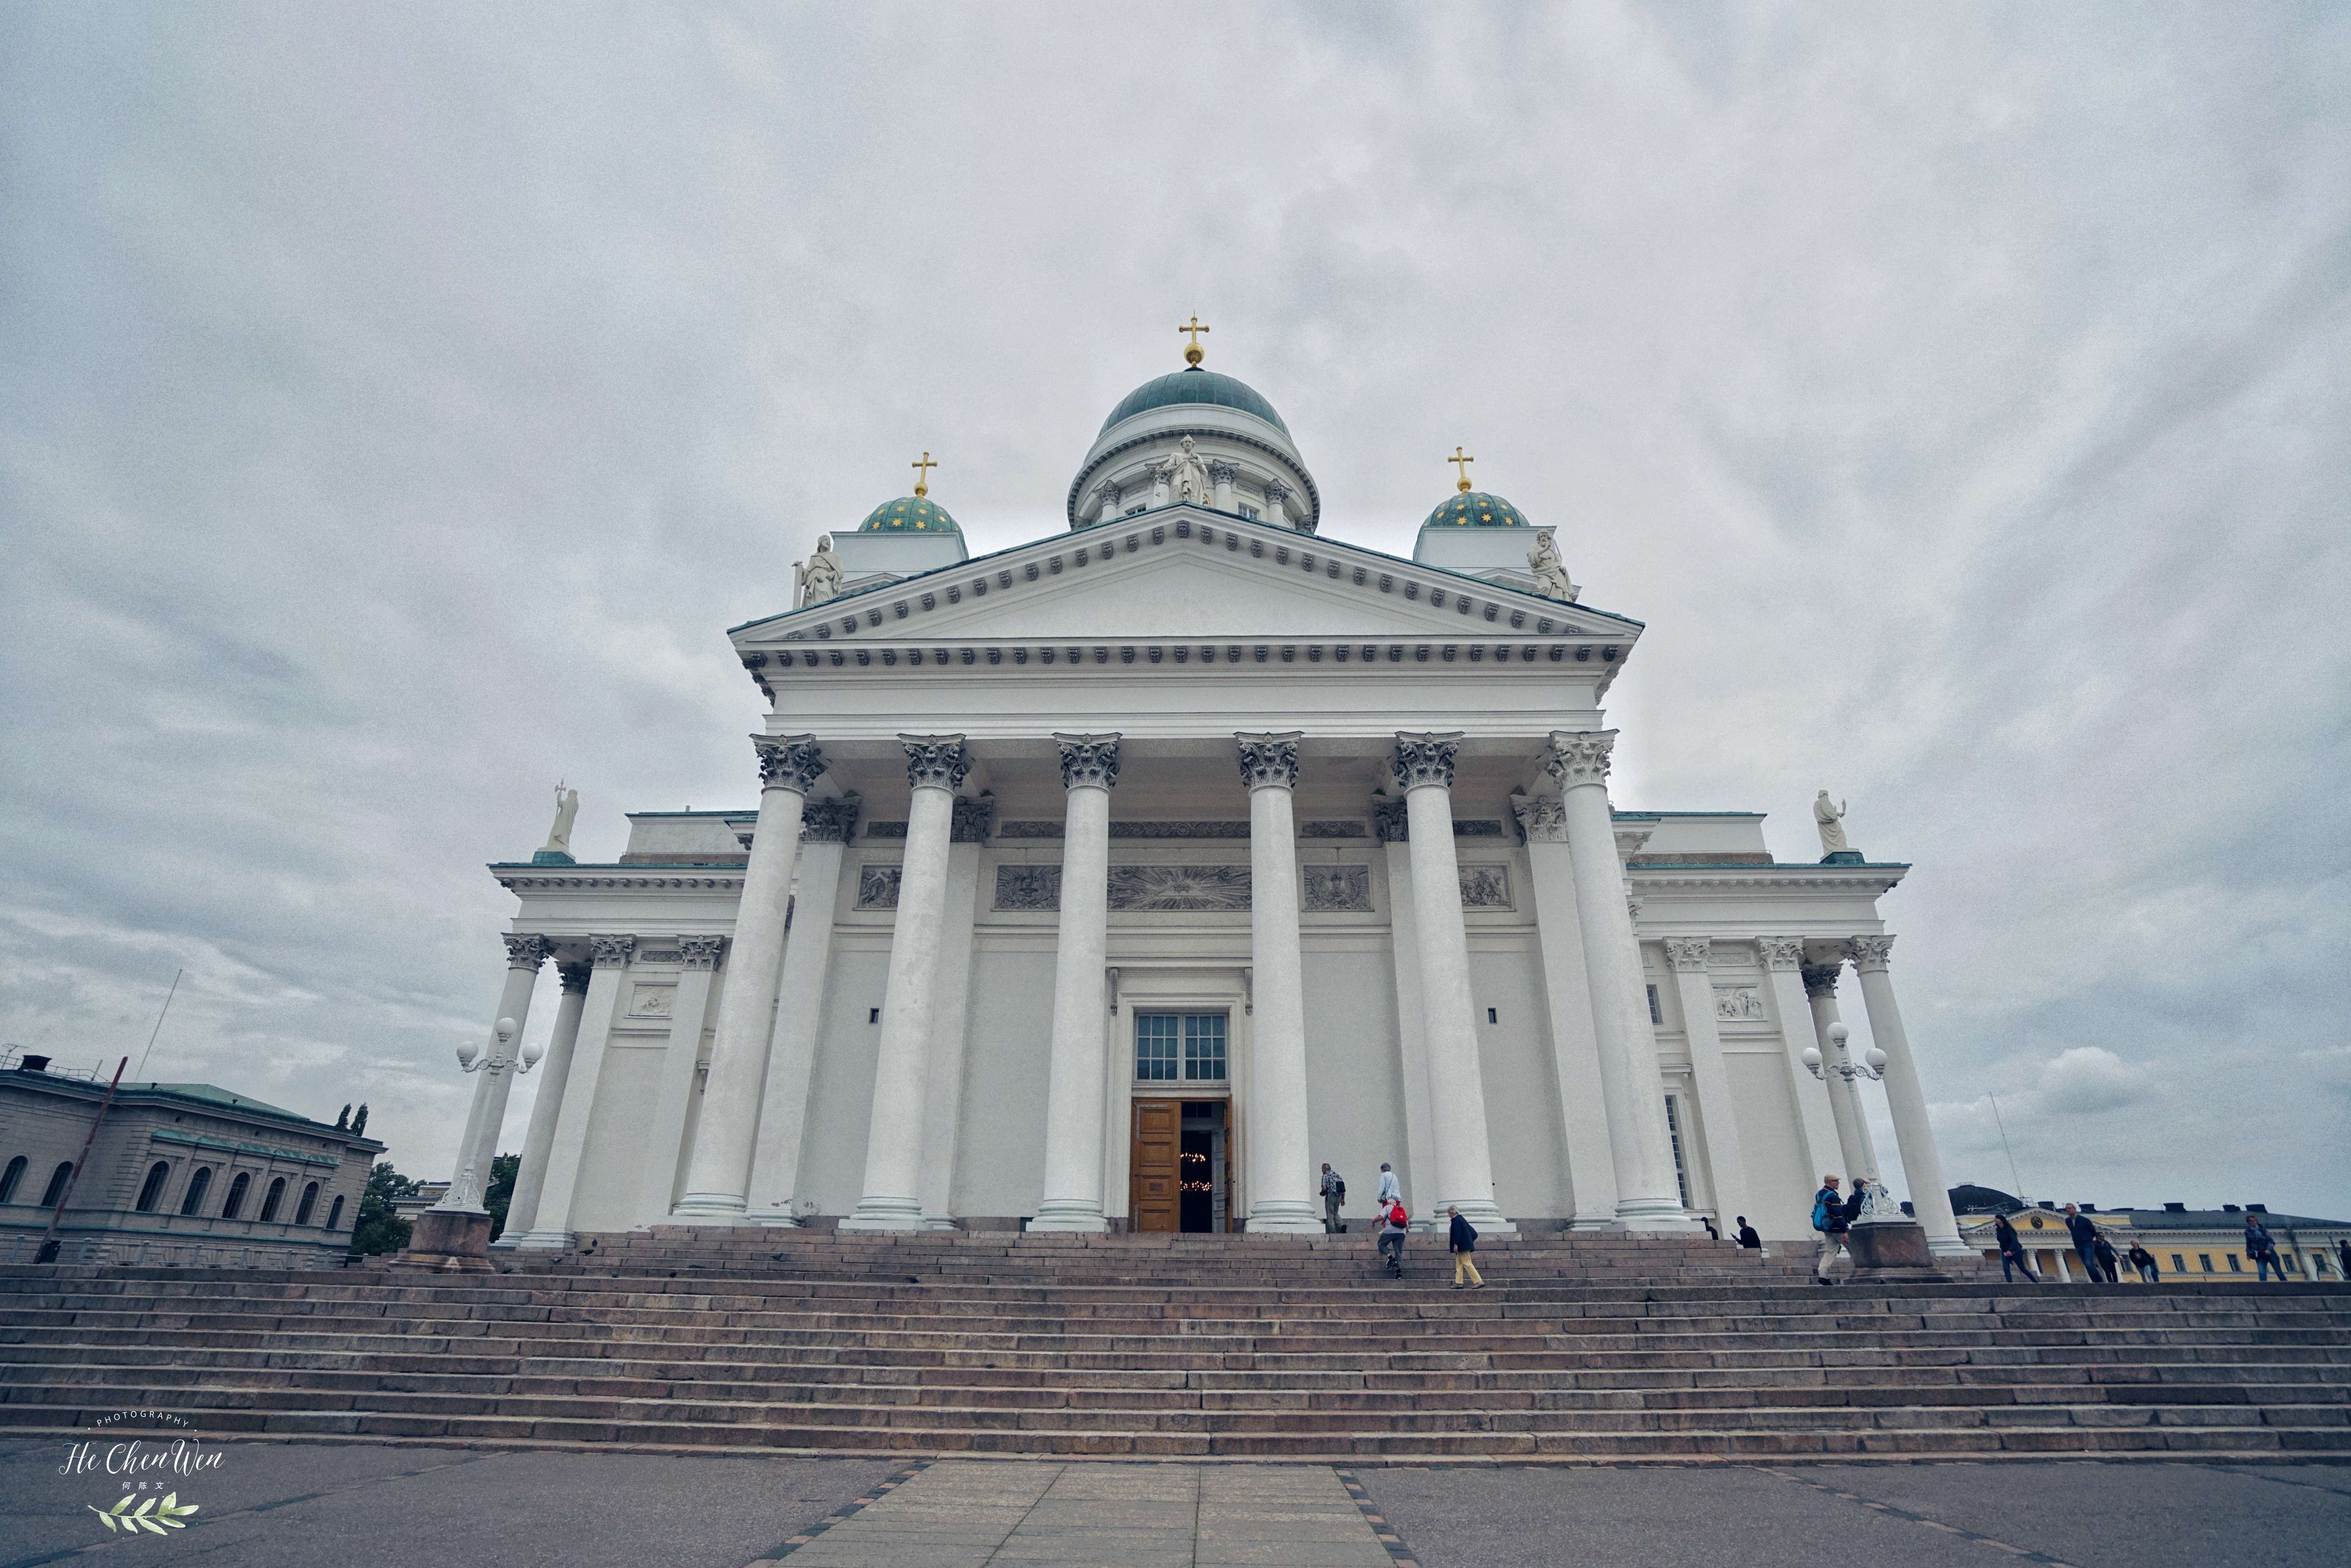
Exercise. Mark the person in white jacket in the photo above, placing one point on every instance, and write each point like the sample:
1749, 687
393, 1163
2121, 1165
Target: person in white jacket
1390, 1192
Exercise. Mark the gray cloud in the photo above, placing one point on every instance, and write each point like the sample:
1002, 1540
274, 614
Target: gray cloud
395, 406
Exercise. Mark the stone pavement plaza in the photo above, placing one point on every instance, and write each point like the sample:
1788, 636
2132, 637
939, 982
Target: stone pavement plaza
365, 1505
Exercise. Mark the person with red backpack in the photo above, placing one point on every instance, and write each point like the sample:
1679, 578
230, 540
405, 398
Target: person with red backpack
1394, 1227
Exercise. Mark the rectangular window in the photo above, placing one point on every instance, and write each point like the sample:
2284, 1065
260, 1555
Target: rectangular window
2177, 1267
1204, 1047
1655, 1016
2236, 1264
2204, 1261
1154, 1046
2292, 1260
1674, 1131
1251, 512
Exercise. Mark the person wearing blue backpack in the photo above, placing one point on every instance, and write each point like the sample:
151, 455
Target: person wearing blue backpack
1833, 1217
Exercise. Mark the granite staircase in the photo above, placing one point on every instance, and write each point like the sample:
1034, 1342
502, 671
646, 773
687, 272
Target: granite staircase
1583, 1348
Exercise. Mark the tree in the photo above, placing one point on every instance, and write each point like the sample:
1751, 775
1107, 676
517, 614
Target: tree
359, 1123
378, 1229
501, 1193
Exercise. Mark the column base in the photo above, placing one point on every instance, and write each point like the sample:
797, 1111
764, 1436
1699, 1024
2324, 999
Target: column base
1888, 1244
448, 1241
1655, 1216
1603, 1226
1284, 1217
884, 1214
939, 1222
775, 1218
536, 1241
709, 1208
1479, 1211
1069, 1216
1950, 1247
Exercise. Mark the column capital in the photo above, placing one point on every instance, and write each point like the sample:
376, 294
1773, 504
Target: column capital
574, 976
1269, 759
789, 762
700, 953
1222, 472
612, 952
1391, 820
1687, 955
1424, 758
1088, 760
1868, 953
934, 762
974, 815
830, 821
527, 949
1579, 757
1781, 952
1632, 905
1820, 979
1276, 492
1542, 818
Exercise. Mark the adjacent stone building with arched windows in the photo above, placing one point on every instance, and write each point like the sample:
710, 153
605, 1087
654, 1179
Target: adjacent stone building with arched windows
179, 1173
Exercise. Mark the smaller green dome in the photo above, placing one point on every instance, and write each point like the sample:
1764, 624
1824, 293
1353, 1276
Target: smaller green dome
1475, 509
909, 514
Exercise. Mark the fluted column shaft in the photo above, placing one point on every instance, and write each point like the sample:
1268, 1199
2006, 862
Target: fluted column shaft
826, 828
486, 1117
718, 1177
554, 1076
1422, 765
1914, 1134
1281, 1173
551, 1225
1078, 1083
1783, 958
1844, 1091
1648, 1196
1717, 1121
689, 1012
935, 764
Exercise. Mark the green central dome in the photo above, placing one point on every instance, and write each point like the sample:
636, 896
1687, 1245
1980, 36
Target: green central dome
1476, 509
1195, 386
909, 514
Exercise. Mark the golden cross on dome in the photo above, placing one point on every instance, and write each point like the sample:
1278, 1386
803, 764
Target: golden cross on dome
1464, 462
922, 475
1193, 352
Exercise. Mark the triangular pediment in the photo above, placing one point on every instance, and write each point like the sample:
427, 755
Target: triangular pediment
1185, 575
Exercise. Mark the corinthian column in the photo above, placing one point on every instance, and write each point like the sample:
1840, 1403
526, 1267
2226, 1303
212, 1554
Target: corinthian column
1914, 1136
1281, 1180
673, 1087
1647, 1197
935, 764
1456, 1084
1725, 1157
554, 1076
1077, 1083
484, 1121
1860, 1151
1783, 958
719, 1174
826, 828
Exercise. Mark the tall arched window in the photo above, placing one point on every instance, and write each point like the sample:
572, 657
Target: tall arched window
56, 1187
335, 1215
269, 1204
15, 1178
151, 1192
198, 1184
310, 1202
237, 1191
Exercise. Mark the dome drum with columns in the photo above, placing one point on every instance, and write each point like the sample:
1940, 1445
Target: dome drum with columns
1188, 837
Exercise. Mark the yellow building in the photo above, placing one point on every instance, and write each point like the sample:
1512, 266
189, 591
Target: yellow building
2187, 1243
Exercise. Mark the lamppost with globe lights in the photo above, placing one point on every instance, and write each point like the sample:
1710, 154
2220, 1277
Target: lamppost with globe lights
1841, 1073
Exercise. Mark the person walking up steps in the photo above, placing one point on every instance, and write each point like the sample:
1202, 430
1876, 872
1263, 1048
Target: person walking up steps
2011, 1250
2262, 1250
1389, 1192
2144, 1262
1833, 1219
1392, 1227
1464, 1241
2084, 1232
1335, 1193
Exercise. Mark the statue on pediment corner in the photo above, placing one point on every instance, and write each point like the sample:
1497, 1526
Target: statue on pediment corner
1551, 572
818, 578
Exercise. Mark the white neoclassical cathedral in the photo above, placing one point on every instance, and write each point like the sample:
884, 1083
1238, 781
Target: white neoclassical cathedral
1122, 878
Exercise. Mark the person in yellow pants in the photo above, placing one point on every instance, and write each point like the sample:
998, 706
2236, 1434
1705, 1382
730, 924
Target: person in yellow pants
1464, 1240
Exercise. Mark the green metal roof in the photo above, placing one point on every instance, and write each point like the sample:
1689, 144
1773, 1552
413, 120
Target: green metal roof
1195, 386
1475, 509
909, 514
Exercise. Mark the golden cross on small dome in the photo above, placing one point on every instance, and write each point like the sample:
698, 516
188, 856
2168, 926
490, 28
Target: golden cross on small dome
1193, 352
1464, 462
922, 475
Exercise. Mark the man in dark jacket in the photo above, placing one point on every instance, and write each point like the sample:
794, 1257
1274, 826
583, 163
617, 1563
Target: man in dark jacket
2343, 1258
1464, 1241
2011, 1250
2084, 1232
2262, 1250
2102, 1249
2144, 1262
1747, 1236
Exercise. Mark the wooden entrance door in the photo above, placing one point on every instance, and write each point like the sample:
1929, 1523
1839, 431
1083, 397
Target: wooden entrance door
1155, 1182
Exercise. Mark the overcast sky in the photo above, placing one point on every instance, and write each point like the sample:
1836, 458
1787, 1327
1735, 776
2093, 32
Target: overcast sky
396, 402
